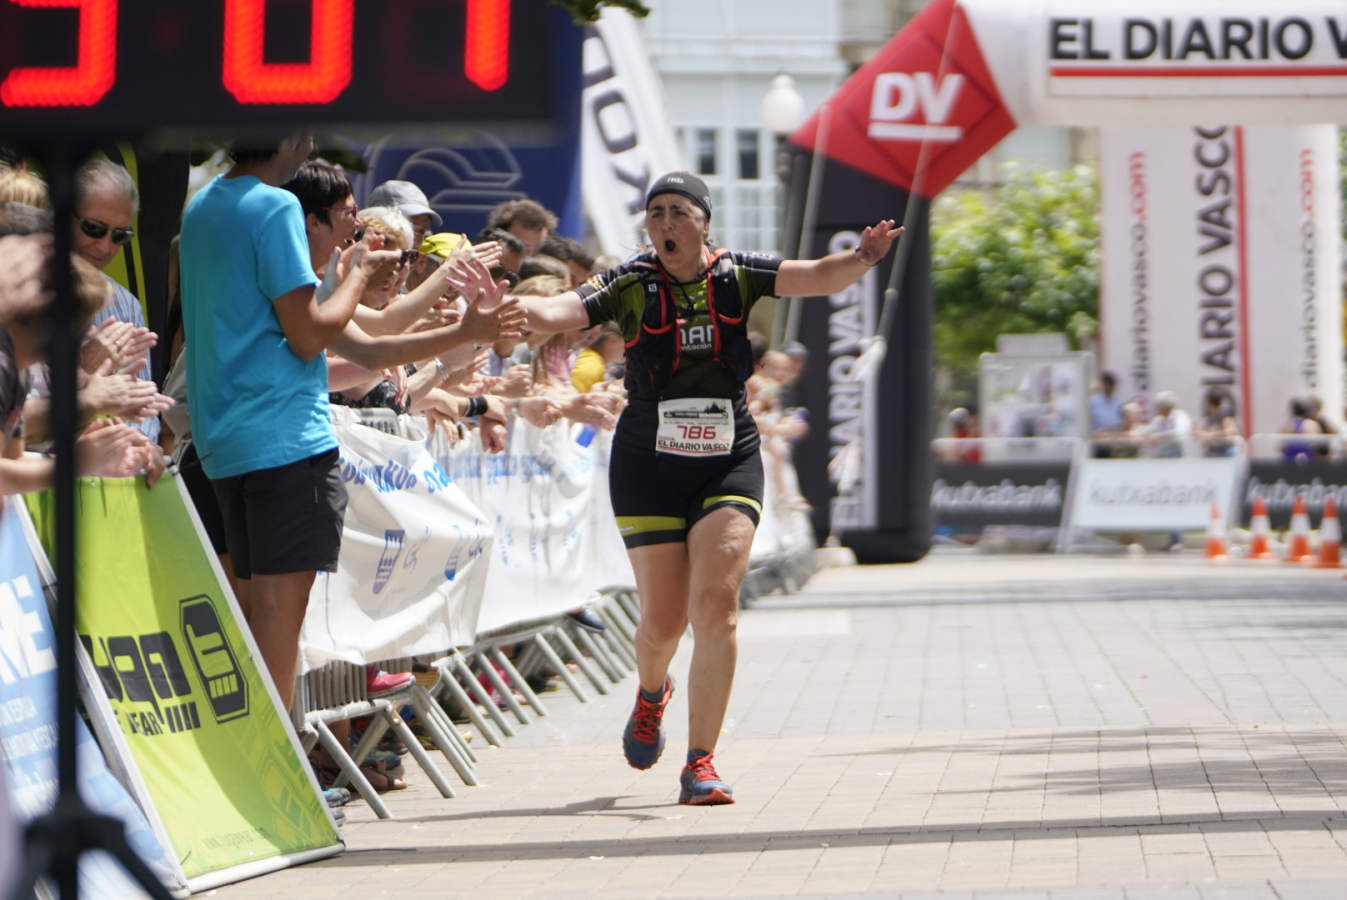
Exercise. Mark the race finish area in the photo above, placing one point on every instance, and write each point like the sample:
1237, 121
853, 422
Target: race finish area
1014, 726
83, 75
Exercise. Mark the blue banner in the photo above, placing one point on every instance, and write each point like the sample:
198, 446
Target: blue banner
465, 177
28, 724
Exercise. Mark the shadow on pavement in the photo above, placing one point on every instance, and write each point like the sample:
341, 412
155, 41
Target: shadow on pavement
1304, 762
710, 842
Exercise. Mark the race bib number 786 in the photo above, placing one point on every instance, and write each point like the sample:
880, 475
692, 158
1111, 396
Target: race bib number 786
695, 426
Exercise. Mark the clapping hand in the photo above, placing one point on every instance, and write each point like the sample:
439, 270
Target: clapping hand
110, 450
122, 395
120, 344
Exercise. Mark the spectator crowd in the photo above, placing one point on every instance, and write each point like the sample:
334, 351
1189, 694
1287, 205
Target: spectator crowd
1159, 426
284, 297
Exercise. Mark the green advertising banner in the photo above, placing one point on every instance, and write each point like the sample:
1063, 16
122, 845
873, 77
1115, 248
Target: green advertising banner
182, 676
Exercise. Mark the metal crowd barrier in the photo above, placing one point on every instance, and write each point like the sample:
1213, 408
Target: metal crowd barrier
336, 691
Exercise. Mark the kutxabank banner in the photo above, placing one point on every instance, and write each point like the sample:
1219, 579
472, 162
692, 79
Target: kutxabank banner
414, 556
28, 728
1221, 266
545, 499
1142, 494
201, 725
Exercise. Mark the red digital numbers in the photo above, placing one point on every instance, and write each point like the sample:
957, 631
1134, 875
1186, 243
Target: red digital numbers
320, 80
94, 72
698, 432
245, 74
486, 52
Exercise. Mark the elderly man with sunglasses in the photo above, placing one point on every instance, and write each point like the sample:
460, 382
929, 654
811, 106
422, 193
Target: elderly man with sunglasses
115, 358
106, 202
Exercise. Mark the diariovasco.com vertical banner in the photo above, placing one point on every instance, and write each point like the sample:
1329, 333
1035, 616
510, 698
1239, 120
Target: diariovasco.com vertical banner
1221, 266
197, 715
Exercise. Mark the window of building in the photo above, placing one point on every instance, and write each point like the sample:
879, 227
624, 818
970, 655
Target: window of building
706, 151
747, 139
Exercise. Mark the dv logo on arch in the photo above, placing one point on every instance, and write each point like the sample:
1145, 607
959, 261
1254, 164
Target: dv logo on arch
914, 106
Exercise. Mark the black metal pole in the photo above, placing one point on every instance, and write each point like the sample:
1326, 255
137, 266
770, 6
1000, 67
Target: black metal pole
61, 360
56, 840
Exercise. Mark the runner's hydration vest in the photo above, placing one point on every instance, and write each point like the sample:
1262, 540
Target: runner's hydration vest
654, 354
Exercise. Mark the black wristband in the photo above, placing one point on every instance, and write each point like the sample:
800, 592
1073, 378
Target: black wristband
476, 406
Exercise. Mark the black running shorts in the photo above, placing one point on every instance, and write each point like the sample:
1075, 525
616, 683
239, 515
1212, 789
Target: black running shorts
285, 519
658, 497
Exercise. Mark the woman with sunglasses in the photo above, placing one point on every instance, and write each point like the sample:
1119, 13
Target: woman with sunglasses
686, 474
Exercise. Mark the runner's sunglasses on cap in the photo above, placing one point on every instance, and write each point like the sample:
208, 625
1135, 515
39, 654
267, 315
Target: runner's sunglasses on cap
97, 230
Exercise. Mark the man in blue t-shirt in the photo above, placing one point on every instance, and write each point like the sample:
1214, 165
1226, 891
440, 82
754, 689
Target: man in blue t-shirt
257, 387
257, 380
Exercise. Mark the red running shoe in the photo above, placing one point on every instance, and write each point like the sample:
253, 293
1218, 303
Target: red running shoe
379, 683
702, 786
643, 738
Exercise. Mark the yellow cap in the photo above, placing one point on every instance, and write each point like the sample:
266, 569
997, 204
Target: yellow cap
444, 245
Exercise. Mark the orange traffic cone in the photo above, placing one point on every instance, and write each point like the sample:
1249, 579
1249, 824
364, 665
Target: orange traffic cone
1258, 532
1298, 547
1330, 537
1216, 534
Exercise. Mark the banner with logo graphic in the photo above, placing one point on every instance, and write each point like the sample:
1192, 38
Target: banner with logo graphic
198, 719
999, 493
1153, 494
466, 171
625, 138
1279, 483
864, 467
413, 562
28, 728
1220, 274
540, 499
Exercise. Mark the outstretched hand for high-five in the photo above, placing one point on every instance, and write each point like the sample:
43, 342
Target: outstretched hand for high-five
472, 279
487, 319
876, 240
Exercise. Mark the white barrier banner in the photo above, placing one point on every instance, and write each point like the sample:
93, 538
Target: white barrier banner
608, 562
1114, 494
543, 500
414, 557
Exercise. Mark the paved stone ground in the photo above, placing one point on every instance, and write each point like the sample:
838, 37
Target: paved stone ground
971, 726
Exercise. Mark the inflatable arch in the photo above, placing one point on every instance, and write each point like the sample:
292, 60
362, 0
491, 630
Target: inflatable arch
951, 84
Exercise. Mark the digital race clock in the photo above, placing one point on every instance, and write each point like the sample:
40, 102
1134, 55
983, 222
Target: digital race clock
127, 66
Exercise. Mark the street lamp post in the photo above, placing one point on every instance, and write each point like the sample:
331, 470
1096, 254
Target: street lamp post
782, 110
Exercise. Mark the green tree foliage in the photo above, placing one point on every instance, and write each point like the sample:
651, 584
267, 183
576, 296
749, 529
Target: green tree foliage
1019, 258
